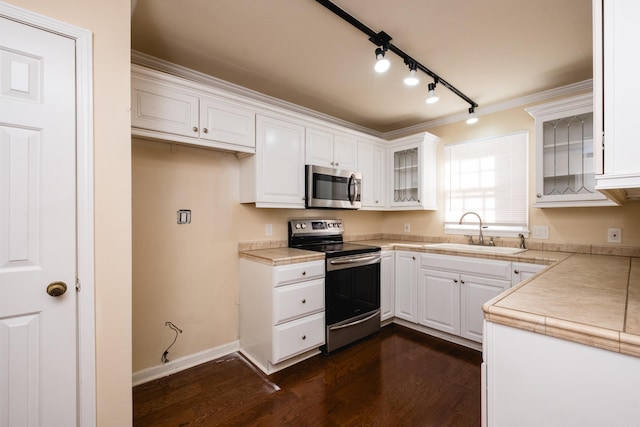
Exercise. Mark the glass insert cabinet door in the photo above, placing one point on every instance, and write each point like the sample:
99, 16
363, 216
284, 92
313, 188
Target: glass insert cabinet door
565, 174
406, 178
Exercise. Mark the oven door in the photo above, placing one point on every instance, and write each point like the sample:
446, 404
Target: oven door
352, 287
332, 188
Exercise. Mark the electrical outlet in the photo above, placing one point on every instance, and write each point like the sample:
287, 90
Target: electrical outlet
268, 229
407, 227
614, 235
541, 232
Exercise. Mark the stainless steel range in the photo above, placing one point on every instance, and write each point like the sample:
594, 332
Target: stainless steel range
352, 281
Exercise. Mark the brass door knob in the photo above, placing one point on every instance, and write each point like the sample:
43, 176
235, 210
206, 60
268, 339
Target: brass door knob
55, 289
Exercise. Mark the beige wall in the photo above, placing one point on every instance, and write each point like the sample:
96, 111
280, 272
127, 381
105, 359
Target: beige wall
109, 20
566, 225
187, 274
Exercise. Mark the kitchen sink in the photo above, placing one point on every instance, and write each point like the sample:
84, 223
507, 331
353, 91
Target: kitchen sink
475, 248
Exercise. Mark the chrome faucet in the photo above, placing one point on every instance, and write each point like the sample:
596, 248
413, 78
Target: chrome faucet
480, 236
521, 236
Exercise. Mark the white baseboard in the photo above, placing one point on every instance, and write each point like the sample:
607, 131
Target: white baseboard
439, 334
148, 374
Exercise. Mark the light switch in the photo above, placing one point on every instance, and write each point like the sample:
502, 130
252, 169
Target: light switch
184, 216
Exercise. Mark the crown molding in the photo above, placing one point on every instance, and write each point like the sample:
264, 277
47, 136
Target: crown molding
158, 64
571, 89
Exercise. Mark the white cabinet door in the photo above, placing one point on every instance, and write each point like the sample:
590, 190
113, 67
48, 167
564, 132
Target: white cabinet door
387, 285
279, 163
228, 122
163, 108
413, 172
372, 165
439, 300
345, 153
522, 271
406, 296
319, 148
474, 292
616, 85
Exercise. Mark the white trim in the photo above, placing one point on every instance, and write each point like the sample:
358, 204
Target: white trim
180, 364
84, 175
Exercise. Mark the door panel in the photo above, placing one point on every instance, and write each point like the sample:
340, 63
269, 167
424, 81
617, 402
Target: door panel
37, 227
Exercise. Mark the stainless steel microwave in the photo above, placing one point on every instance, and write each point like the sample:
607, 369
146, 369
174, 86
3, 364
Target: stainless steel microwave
332, 188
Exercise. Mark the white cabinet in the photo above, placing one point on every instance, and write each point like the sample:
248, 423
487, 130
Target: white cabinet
521, 271
372, 163
387, 285
413, 172
616, 85
565, 175
281, 312
172, 109
539, 380
452, 290
331, 150
274, 177
406, 293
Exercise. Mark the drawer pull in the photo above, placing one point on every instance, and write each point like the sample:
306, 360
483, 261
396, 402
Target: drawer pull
516, 271
195, 129
304, 337
304, 301
304, 273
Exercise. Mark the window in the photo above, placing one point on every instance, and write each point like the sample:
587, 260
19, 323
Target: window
489, 177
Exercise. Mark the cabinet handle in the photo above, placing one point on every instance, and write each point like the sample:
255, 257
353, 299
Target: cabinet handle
195, 129
376, 201
455, 280
304, 337
462, 282
413, 258
516, 271
539, 196
304, 301
205, 130
304, 273
333, 164
337, 164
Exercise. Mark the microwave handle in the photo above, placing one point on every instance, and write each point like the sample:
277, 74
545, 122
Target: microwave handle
353, 183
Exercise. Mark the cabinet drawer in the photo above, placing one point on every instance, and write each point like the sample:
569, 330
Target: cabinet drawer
292, 273
297, 336
467, 265
297, 300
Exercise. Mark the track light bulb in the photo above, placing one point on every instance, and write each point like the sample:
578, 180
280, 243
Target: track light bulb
431, 96
473, 118
382, 64
412, 79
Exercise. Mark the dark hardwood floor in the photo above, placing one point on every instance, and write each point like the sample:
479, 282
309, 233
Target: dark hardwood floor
397, 377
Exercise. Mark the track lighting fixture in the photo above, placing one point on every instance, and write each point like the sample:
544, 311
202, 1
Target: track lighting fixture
412, 79
473, 118
432, 98
382, 64
383, 41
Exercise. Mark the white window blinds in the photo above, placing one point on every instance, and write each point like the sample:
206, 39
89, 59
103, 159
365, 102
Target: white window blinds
490, 177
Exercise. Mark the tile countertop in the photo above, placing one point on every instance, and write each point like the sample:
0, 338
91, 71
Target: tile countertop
589, 299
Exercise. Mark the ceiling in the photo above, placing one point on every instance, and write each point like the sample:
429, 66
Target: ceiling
298, 51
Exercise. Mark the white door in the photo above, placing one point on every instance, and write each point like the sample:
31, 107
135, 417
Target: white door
439, 300
37, 227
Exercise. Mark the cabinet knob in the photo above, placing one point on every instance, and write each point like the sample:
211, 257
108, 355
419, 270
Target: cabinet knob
205, 130
304, 301
195, 129
462, 282
304, 273
516, 271
376, 201
455, 280
337, 164
413, 258
304, 337
539, 196
333, 164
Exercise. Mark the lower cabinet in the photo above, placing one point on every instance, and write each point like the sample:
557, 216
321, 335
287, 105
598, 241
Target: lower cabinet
521, 271
282, 318
387, 285
406, 294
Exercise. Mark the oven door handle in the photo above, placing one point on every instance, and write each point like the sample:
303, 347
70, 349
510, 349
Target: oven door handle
353, 260
357, 322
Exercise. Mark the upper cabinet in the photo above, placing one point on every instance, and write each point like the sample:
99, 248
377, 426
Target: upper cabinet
172, 109
372, 163
564, 154
413, 172
274, 177
331, 150
616, 86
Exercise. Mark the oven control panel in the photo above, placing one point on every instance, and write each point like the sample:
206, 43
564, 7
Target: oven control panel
315, 227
